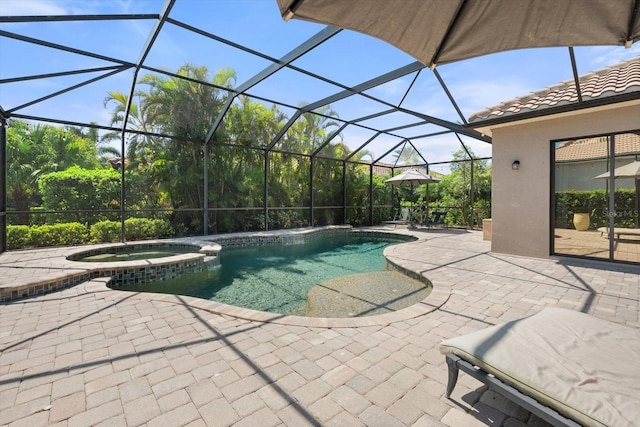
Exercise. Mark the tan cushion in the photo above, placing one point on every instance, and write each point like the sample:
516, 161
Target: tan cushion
584, 367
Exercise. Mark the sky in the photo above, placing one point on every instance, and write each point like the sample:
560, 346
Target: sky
348, 58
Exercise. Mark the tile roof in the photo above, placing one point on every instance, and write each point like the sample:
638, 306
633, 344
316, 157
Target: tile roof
596, 148
384, 169
614, 80
379, 168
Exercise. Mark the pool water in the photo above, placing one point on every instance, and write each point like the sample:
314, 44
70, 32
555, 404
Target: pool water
278, 278
134, 255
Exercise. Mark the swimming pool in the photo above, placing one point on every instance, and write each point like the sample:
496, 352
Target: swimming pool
133, 252
278, 278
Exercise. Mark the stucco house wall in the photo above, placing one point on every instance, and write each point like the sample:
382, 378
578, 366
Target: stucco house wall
521, 198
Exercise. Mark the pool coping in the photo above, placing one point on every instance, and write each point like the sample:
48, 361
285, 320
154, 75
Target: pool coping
94, 278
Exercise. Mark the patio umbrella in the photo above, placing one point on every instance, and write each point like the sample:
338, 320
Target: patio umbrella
442, 31
413, 177
630, 170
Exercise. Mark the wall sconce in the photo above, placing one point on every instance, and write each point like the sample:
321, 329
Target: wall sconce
515, 165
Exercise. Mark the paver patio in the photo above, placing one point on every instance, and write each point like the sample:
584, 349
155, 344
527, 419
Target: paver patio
89, 355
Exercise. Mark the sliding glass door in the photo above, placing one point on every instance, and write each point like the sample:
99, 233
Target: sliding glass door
596, 197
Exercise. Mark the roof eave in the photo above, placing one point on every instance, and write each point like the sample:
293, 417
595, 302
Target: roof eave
485, 126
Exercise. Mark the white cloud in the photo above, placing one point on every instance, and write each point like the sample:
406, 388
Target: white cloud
607, 55
392, 88
475, 95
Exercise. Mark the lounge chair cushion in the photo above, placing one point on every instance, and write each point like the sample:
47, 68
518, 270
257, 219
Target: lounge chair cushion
584, 367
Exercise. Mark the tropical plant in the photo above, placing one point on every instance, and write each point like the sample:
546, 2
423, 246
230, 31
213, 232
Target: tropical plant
454, 190
87, 194
33, 150
25, 152
239, 173
184, 106
139, 146
406, 155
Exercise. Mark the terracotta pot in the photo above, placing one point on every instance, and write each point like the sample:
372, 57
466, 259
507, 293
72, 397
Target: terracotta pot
581, 221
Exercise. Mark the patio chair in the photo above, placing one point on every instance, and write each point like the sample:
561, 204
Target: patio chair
401, 218
566, 367
437, 221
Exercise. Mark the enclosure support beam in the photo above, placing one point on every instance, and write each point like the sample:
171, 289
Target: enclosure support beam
265, 195
466, 150
123, 212
58, 74
71, 18
357, 150
369, 84
296, 53
68, 89
344, 192
153, 35
371, 194
205, 196
389, 151
471, 192
576, 77
612, 193
51, 45
451, 98
3, 184
311, 188
328, 140
284, 129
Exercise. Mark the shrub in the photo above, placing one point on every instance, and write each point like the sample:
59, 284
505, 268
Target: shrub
134, 229
595, 203
137, 228
105, 231
161, 228
145, 228
18, 236
87, 194
72, 233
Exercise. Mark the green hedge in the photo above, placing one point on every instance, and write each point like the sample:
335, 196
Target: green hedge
18, 236
84, 195
596, 204
105, 231
74, 233
24, 236
71, 233
134, 229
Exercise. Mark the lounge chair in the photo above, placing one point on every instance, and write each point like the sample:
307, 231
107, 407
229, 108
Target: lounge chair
566, 367
438, 220
620, 231
401, 218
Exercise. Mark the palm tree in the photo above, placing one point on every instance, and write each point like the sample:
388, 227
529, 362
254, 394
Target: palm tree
406, 155
140, 146
103, 149
185, 108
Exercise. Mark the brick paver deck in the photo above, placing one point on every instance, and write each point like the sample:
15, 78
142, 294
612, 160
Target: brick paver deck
89, 355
